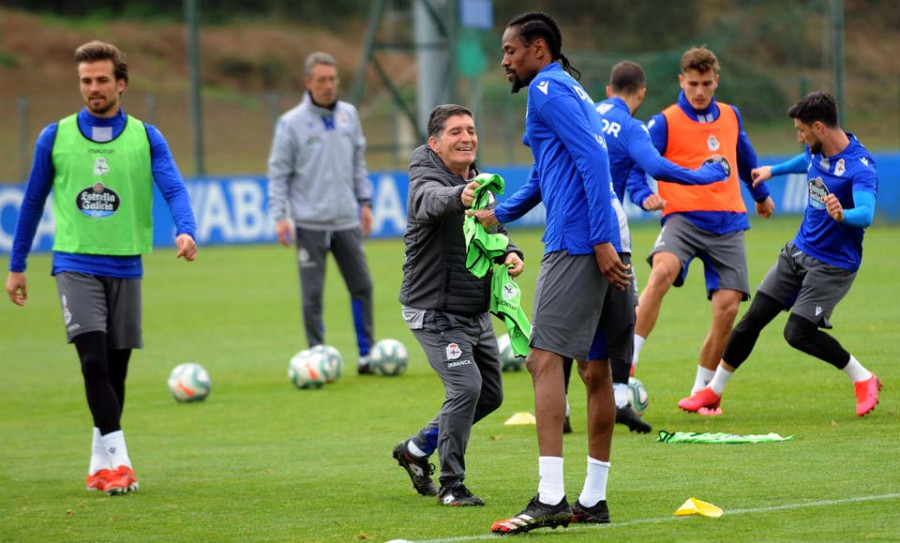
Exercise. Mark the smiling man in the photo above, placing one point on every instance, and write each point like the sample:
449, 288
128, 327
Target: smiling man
446, 306
101, 165
702, 221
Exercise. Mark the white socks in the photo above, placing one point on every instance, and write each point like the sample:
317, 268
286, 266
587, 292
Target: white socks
620, 391
99, 458
720, 380
114, 443
701, 381
856, 371
595, 482
551, 489
638, 345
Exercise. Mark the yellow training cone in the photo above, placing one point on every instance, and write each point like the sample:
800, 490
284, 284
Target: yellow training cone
693, 506
520, 419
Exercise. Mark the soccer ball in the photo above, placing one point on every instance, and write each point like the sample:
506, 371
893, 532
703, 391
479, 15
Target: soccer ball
638, 398
189, 382
331, 360
508, 359
307, 369
388, 357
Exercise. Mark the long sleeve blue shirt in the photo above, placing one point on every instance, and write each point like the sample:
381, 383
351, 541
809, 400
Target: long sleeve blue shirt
850, 175
629, 143
571, 166
718, 222
165, 174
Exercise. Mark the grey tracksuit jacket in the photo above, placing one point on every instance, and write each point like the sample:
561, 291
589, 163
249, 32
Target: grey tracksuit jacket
317, 168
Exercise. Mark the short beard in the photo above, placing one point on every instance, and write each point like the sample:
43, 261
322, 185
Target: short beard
816, 148
102, 111
517, 84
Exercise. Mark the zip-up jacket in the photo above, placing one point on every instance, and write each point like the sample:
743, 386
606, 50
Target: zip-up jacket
434, 272
318, 168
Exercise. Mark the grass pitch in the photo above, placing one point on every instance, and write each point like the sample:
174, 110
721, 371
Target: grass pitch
263, 461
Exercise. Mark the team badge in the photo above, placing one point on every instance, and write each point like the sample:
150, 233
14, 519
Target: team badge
453, 351
67, 315
712, 143
303, 258
343, 119
97, 200
510, 291
840, 168
100, 166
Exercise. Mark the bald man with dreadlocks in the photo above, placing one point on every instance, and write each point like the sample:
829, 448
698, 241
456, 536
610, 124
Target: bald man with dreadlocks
579, 268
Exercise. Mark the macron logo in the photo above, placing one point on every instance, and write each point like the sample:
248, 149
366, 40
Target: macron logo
543, 86
603, 108
818, 310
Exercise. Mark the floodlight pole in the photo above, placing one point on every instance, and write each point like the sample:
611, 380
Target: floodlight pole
190, 17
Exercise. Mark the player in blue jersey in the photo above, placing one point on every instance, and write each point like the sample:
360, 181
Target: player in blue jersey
580, 264
629, 143
706, 222
816, 269
101, 165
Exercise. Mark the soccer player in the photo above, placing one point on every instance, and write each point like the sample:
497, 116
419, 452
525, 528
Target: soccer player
571, 177
816, 269
446, 306
101, 165
628, 142
318, 178
702, 221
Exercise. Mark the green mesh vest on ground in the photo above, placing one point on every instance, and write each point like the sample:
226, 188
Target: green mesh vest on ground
103, 192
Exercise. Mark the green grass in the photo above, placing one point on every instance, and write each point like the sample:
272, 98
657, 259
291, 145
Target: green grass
263, 461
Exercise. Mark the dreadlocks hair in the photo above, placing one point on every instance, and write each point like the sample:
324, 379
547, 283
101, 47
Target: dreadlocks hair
536, 24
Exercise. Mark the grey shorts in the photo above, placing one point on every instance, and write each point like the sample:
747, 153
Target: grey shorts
809, 287
101, 304
568, 302
724, 256
614, 337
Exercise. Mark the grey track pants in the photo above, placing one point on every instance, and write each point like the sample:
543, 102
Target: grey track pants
464, 353
312, 252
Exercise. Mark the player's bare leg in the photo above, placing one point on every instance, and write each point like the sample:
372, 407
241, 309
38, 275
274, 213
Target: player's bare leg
549, 400
725, 304
666, 268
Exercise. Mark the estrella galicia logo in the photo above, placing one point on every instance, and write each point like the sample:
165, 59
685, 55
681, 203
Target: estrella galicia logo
97, 201
721, 160
817, 193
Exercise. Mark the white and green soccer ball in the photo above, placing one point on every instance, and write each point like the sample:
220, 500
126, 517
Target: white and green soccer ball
638, 398
332, 363
307, 369
388, 357
508, 359
189, 382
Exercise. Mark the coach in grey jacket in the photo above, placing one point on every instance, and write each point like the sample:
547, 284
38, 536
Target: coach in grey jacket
445, 306
318, 178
